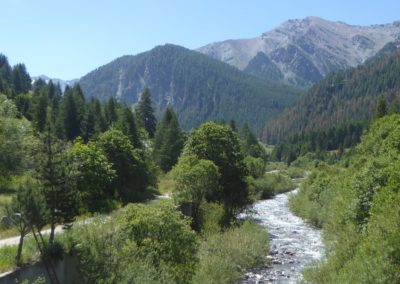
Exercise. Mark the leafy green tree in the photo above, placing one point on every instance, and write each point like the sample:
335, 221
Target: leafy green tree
94, 175
55, 179
146, 113
219, 144
15, 139
133, 174
127, 124
168, 141
195, 180
27, 209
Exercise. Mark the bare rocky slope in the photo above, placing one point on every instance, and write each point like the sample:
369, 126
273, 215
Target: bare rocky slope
304, 51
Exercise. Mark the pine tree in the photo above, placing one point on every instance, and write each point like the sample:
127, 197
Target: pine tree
168, 141
21, 79
100, 121
110, 111
146, 113
88, 125
381, 108
56, 184
72, 113
127, 124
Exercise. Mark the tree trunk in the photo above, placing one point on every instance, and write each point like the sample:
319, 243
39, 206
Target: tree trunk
52, 229
19, 252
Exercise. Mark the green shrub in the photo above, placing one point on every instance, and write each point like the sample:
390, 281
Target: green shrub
255, 166
357, 205
211, 217
226, 256
140, 244
273, 183
295, 172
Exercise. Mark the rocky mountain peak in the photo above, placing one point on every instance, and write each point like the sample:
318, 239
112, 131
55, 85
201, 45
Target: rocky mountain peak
305, 50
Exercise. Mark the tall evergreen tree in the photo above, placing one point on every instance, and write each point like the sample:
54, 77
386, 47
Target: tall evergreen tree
381, 107
168, 141
251, 146
72, 113
146, 113
127, 124
56, 184
40, 111
100, 121
21, 79
5, 70
70, 117
88, 128
110, 111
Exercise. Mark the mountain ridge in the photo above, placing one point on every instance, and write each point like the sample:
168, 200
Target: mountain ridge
342, 97
306, 50
198, 87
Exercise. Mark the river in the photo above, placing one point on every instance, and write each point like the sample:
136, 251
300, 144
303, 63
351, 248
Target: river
294, 244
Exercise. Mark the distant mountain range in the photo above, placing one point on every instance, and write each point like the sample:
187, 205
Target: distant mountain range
205, 85
342, 97
198, 87
304, 51
63, 83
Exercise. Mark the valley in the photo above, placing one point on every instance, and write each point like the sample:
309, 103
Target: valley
267, 159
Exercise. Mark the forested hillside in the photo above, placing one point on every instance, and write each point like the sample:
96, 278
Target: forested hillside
356, 202
197, 87
342, 97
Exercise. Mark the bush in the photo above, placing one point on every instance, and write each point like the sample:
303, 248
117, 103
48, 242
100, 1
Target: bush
295, 172
255, 166
357, 206
271, 184
226, 256
141, 244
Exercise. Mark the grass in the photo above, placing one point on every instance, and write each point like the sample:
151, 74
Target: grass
30, 254
166, 184
275, 166
226, 256
5, 198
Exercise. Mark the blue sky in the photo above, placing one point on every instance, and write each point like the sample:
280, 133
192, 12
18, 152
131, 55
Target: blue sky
67, 39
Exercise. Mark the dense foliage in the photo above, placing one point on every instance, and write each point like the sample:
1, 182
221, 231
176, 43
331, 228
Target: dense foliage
335, 138
168, 141
63, 156
140, 244
356, 202
340, 98
220, 145
199, 88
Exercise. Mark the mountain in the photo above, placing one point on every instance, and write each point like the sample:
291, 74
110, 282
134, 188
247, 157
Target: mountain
304, 51
198, 87
341, 97
63, 83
